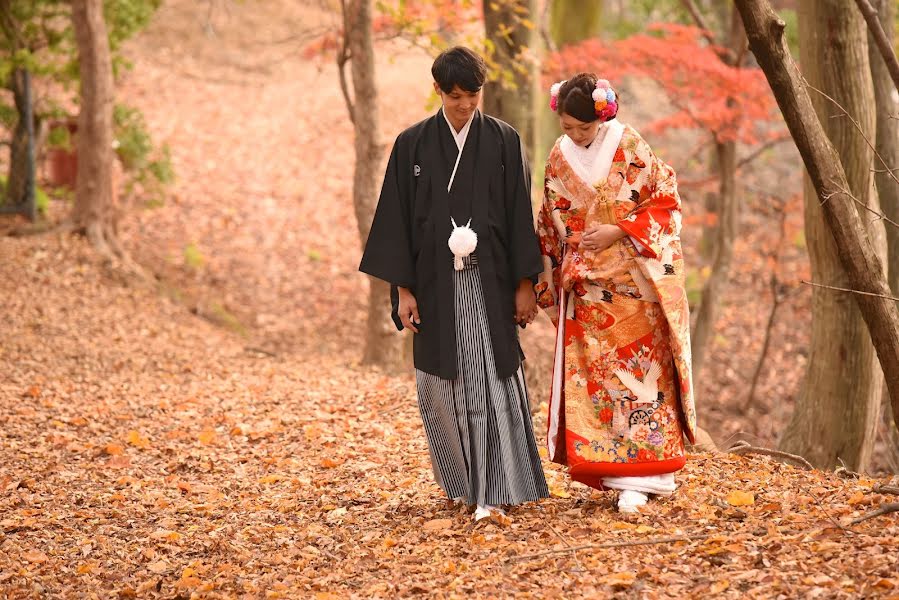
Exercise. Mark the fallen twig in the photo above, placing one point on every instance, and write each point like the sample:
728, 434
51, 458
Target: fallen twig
885, 489
741, 448
884, 509
650, 541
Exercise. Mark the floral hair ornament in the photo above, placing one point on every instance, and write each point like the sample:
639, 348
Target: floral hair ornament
554, 95
605, 101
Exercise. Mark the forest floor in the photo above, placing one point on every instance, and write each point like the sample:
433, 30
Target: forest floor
214, 435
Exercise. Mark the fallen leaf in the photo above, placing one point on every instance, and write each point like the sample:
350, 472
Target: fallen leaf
207, 436
114, 449
622, 579
35, 556
437, 524
136, 439
159, 567
739, 498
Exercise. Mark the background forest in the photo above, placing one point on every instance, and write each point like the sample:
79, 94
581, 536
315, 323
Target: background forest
202, 396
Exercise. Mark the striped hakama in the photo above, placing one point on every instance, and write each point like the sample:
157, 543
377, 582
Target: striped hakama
478, 426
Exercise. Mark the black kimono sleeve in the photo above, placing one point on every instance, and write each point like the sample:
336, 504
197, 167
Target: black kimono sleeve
525, 260
388, 251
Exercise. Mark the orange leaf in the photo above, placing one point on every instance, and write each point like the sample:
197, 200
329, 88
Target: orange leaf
136, 439
437, 524
738, 498
207, 436
330, 463
35, 556
114, 449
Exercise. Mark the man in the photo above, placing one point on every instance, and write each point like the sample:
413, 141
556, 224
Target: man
453, 234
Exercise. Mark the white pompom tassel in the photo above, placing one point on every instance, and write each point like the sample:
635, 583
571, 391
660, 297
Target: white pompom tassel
462, 242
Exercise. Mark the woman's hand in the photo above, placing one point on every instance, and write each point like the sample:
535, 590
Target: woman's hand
408, 309
597, 239
525, 303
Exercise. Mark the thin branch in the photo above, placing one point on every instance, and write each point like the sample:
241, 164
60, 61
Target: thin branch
742, 448
777, 299
881, 39
880, 216
840, 289
884, 509
647, 542
885, 489
544, 29
343, 56
857, 126
786, 137
700, 21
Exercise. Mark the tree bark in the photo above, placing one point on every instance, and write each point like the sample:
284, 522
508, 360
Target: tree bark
849, 238
382, 344
886, 105
95, 212
727, 208
570, 21
511, 96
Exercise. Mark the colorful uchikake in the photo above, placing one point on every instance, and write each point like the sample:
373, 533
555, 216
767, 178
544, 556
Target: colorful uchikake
605, 101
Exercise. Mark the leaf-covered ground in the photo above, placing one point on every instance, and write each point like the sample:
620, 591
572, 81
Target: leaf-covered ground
213, 435
147, 453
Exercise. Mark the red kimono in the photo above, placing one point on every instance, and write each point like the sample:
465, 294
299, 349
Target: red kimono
622, 388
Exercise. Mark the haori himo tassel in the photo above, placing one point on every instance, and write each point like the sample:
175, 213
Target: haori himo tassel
462, 242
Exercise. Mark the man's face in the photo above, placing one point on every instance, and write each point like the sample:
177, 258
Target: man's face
458, 104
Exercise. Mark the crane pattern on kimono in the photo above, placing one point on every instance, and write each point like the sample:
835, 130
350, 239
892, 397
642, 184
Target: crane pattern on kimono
639, 407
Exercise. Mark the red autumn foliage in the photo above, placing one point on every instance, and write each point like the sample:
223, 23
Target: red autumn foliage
730, 102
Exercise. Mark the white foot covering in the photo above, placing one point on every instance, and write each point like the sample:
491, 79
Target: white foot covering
660, 485
630, 501
482, 512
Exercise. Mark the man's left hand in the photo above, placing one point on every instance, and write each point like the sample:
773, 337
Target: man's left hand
525, 303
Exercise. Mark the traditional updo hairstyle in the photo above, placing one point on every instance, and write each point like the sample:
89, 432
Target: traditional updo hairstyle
585, 98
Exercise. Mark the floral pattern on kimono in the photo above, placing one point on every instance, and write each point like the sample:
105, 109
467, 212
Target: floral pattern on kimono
627, 321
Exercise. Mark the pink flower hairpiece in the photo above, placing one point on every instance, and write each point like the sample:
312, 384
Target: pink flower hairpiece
554, 94
605, 100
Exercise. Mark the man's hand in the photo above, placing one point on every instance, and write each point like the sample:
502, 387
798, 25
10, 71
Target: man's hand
597, 239
408, 309
525, 303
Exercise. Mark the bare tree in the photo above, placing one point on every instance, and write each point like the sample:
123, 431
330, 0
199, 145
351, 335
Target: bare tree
887, 145
725, 204
856, 252
510, 96
382, 345
95, 212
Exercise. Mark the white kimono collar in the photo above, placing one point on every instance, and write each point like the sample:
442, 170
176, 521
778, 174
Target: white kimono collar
460, 138
599, 171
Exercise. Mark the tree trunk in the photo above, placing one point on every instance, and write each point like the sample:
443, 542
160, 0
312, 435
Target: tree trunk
575, 20
836, 414
17, 180
95, 212
511, 96
887, 144
570, 21
725, 233
382, 344
725, 230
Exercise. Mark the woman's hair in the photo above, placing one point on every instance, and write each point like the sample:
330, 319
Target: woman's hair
576, 98
459, 66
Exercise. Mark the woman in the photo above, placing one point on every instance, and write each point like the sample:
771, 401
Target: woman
613, 283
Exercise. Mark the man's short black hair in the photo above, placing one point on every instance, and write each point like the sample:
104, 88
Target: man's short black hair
459, 66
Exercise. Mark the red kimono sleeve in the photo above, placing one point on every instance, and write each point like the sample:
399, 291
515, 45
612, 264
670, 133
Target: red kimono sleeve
653, 217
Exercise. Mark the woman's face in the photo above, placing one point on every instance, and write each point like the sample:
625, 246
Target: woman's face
458, 104
580, 133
